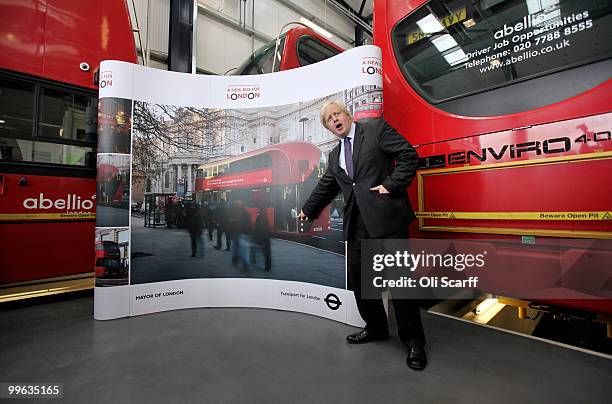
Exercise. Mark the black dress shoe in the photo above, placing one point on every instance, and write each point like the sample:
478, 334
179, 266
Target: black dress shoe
416, 359
364, 336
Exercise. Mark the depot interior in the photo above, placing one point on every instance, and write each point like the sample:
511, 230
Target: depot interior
496, 347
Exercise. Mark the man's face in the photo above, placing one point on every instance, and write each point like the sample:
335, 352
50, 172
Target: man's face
337, 122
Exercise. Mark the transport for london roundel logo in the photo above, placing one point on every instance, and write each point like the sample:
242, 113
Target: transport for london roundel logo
332, 301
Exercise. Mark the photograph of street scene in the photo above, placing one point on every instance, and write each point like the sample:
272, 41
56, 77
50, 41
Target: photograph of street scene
112, 256
114, 125
217, 193
113, 190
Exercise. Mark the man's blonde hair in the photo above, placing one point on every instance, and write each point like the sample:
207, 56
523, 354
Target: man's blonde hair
339, 104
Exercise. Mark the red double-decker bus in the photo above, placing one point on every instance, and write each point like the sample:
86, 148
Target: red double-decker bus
277, 178
108, 260
50, 51
297, 47
113, 185
509, 104
367, 110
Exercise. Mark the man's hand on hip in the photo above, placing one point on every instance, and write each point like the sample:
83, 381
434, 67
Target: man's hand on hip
380, 189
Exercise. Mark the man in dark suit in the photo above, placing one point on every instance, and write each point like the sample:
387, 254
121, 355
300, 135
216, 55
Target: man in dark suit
372, 165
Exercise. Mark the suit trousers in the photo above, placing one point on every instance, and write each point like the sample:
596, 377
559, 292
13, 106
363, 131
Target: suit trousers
407, 313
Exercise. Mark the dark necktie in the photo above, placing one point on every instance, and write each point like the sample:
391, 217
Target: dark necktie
348, 156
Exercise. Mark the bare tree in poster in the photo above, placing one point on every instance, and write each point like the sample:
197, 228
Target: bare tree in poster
162, 131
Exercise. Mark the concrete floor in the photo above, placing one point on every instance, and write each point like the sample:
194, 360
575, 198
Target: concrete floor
267, 356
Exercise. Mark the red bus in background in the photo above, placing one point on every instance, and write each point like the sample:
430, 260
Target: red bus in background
113, 185
108, 260
111, 262
114, 125
298, 46
50, 51
277, 178
368, 110
509, 106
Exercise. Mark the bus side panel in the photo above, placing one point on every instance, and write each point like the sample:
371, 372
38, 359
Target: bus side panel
40, 250
572, 159
51, 38
25, 197
545, 168
546, 189
47, 226
442, 134
102, 25
22, 25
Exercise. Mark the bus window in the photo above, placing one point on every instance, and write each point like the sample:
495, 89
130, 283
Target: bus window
311, 51
449, 49
66, 121
251, 163
16, 101
262, 59
49, 153
63, 115
108, 262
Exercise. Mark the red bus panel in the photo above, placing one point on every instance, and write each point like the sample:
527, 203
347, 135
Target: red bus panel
482, 160
52, 38
235, 181
47, 226
502, 189
50, 51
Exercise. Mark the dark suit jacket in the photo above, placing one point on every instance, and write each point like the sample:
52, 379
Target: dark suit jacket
376, 146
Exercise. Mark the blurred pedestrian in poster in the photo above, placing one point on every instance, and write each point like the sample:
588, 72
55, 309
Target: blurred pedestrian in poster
261, 239
221, 219
239, 229
195, 226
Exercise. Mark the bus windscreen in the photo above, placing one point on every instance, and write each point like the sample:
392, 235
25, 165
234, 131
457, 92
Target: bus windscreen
449, 49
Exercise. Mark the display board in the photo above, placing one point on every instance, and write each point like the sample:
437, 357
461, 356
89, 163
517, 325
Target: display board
200, 182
